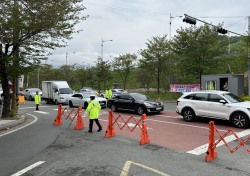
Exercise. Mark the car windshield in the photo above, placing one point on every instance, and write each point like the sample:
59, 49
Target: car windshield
139, 96
232, 98
65, 91
88, 94
34, 90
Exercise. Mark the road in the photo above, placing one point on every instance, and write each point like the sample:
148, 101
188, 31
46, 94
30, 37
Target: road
44, 149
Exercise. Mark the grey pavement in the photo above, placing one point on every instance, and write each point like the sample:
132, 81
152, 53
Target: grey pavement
10, 122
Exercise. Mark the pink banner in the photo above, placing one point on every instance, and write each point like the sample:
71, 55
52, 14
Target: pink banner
184, 87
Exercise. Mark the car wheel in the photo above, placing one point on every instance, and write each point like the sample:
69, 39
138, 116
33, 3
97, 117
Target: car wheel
188, 114
30, 98
71, 104
113, 108
47, 101
85, 105
140, 110
240, 120
56, 102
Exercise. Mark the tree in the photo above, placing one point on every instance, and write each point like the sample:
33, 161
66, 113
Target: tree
199, 51
123, 65
102, 73
156, 58
28, 28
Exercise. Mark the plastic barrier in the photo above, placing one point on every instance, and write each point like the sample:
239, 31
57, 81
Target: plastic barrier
211, 153
110, 132
70, 114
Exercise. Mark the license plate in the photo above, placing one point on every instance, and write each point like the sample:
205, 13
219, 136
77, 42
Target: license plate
158, 108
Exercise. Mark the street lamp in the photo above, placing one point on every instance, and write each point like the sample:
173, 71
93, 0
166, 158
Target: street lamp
170, 24
67, 56
102, 46
170, 57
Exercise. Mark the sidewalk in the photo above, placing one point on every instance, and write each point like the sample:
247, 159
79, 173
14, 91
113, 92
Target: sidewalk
8, 123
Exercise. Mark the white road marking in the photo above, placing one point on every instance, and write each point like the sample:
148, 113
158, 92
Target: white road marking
21, 172
129, 124
34, 107
41, 112
203, 149
21, 127
181, 124
126, 167
169, 116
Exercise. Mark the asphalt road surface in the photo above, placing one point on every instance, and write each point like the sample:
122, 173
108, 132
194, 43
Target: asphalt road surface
176, 147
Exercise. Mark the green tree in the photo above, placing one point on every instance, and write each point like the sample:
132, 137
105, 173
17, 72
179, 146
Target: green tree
102, 73
199, 51
123, 65
156, 58
28, 28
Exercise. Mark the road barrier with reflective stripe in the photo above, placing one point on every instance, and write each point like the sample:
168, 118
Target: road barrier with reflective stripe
125, 123
211, 153
70, 114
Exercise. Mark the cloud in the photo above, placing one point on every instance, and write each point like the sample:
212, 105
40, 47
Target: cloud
131, 23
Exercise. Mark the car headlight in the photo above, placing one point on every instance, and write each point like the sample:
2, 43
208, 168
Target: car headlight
148, 104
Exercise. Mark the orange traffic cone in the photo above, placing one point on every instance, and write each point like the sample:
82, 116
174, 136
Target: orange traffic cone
144, 135
211, 153
58, 120
79, 121
110, 132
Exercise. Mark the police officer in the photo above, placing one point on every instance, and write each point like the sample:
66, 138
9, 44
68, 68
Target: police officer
93, 110
37, 99
110, 93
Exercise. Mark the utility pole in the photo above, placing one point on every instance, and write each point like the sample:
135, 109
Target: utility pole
248, 57
171, 80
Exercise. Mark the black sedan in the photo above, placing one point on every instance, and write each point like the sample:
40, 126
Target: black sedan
135, 102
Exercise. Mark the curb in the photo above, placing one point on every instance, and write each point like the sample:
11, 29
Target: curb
13, 123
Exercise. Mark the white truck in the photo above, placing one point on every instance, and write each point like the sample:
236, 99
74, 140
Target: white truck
57, 92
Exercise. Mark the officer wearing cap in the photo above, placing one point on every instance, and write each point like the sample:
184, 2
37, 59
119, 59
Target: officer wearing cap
93, 110
37, 99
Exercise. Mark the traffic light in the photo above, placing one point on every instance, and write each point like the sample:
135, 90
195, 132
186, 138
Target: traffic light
221, 30
189, 20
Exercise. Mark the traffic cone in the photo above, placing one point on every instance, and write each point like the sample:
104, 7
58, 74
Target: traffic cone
110, 132
58, 120
79, 121
144, 135
211, 153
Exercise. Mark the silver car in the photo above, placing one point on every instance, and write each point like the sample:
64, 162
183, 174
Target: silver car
83, 99
30, 92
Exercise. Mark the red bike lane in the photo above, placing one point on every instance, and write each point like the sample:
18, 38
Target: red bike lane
168, 129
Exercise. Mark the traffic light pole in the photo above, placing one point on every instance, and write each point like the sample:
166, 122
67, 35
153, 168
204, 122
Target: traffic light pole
218, 28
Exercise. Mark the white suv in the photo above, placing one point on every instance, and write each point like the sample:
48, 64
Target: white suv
214, 104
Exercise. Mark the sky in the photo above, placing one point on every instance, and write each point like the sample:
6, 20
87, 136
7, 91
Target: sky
131, 23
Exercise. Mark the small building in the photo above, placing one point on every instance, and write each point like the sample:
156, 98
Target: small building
229, 82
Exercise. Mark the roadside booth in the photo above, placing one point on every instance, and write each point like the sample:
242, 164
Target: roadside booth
229, 82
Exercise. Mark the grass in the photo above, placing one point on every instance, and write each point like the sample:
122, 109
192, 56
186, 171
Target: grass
164, 96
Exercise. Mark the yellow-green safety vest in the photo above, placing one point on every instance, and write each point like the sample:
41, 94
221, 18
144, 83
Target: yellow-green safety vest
37, 98
93, 109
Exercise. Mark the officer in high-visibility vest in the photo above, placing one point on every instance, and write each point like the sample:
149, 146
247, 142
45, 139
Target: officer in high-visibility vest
93, 110
210, 85
110, 93
107, 94
37, 99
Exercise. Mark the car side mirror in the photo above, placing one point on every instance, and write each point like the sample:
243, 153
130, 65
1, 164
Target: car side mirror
223, 101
